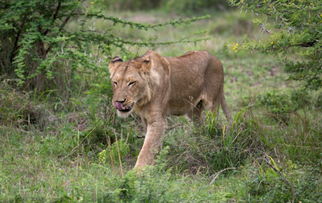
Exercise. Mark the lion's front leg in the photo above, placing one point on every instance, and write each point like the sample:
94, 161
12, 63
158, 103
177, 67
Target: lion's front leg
152, 142
143, 128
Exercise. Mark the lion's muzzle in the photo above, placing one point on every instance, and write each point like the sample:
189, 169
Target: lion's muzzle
122, 107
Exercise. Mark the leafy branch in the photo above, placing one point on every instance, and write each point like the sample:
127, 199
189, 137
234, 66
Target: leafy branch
117, 20
34, 37
297, 33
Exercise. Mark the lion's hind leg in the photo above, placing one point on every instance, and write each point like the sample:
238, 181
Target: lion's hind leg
225, 108
217, 101
195, 113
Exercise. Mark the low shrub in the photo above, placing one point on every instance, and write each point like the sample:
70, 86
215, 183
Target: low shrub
114, 153
284, 184
19, 110
211, 148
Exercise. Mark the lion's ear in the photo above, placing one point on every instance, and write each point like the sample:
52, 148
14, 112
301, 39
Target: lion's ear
116, 59
113, 64
146, 61
146, 64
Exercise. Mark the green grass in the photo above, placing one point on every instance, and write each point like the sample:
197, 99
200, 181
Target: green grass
79, 151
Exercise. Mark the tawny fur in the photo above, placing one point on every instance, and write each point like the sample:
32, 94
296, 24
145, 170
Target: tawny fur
155, 87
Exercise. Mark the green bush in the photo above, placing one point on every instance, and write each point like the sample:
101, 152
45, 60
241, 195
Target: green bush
39, 49
18, 109
156, 185
301, 98
269, 184
296, 31
281, 105
210, 148
170, 5
194, 6
31, 31
276, 102
115, 153
130, 5
318, 102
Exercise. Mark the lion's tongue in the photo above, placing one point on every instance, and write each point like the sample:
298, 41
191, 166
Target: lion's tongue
119, 106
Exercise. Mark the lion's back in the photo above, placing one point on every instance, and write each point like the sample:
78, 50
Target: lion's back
189, 67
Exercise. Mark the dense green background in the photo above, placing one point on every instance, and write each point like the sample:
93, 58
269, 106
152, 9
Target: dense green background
62, 142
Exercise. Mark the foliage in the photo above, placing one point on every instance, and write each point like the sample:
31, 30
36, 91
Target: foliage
282, 104
19, 110
213, 147
272, 184
194, 6
129, 5
297, 31
114, 153
256, 159
185, 6
289, 124
36, 41
278, 104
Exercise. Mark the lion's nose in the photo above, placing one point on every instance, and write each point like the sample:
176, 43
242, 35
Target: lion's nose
121, 101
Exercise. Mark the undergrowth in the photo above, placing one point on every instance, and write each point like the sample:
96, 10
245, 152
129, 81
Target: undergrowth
73, 148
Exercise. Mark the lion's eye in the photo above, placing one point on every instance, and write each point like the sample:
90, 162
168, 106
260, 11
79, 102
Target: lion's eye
131, 83
114, 83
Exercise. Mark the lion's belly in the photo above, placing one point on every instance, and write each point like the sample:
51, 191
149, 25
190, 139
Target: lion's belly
178, 110
184, 96
187, 82
182, 104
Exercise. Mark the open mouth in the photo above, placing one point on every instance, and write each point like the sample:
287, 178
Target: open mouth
125, 109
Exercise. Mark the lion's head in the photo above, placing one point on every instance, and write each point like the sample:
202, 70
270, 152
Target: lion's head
132, 81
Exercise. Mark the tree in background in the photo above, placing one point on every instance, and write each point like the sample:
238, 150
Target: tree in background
195, 6
36, 43
178, 6
30, 31
296, 35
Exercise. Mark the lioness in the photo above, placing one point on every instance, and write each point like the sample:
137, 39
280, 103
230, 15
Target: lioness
154, 86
